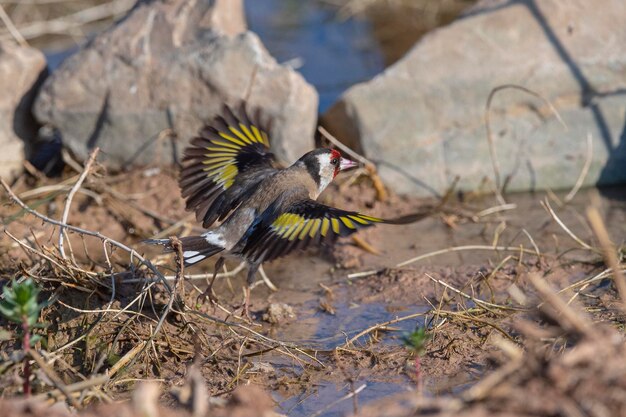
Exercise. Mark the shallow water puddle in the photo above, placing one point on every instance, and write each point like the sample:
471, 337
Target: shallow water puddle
329, 399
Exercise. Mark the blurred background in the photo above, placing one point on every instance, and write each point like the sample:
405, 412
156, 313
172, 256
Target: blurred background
333, 43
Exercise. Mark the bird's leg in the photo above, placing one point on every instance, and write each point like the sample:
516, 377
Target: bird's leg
208, 293
246, 302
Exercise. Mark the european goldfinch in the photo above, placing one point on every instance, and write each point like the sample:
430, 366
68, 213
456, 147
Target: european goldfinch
230, 176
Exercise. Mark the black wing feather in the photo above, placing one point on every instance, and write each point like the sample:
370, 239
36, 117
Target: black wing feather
279, 230
224, 164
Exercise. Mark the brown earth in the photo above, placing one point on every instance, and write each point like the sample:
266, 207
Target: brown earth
338, 340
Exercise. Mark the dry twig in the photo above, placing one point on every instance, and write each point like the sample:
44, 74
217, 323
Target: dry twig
70, 197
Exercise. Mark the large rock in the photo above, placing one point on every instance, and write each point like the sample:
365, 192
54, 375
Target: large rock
423, 119
171, 65
21, 71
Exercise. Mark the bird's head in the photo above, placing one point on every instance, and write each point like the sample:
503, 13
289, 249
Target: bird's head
324, 164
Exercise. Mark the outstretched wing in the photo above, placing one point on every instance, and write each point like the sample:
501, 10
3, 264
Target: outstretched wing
224, 164
303, 223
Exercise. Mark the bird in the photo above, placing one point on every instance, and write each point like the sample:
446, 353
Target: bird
264, 211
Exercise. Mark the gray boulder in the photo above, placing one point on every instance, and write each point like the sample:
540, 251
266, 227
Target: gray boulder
171, 65
423, 119
21, 72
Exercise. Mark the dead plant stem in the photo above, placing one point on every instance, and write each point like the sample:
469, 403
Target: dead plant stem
70, 197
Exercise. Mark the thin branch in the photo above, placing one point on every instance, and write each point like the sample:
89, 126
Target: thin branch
131, 251
546, 205
444, 251
50, 373
70, 197
80, 18
11, 27
344, 148
585, 170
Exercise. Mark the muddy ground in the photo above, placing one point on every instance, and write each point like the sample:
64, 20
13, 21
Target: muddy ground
328, 342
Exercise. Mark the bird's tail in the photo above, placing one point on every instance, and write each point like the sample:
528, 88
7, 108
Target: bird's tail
195, 248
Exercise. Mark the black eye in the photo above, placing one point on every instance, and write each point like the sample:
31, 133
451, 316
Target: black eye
334, 161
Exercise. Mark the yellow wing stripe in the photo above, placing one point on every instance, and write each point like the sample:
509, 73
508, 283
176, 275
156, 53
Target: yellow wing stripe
231, 138
370, 218
266, 139
297, 230
358, 219
228, 154
293, 227
307, 227
245, 130
226, 144
232, 151
218, 159
316, 226
347, 222
285, 224
288, 231
278, 223
239, 135
325, 225
257, 134
217, 168
230, 171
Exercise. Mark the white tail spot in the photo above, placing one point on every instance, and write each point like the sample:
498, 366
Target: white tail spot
195, 259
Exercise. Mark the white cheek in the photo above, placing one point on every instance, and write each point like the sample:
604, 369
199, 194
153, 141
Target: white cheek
326, 172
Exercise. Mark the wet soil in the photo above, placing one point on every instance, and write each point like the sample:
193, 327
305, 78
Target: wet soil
322, 335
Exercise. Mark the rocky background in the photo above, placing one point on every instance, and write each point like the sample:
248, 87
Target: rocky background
144, 85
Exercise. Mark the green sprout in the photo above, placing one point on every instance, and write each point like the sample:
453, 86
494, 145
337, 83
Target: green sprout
416, 340
19, 305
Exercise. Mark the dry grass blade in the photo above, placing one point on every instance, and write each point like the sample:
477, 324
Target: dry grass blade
517, 249
11, 27
380, 326
501, 185
584, 171
546, 204
338, 400
78, 386
257, 337
75, 20
486, 305
465, 248
610, 254
133, 253
482, 389
70, 197
53, 377
567, 317
361, 243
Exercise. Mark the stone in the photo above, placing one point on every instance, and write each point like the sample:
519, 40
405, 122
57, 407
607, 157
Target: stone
167, 68
279, 313
21, 72
423, 119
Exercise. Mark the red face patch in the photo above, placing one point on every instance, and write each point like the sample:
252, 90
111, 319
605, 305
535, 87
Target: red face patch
335, 155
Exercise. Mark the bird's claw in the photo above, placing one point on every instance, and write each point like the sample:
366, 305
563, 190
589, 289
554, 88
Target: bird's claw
207, 295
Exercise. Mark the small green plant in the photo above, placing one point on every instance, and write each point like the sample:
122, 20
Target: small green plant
20, 306
415, 342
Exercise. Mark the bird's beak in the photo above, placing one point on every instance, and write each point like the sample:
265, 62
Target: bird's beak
345, 164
